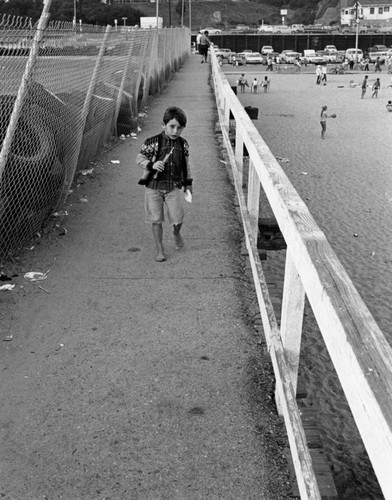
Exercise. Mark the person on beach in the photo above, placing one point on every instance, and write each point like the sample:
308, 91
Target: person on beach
318, 74
165, 160
364, 86
377, 65
204, 44
254, 86
243, 82
323, 120
376, 87
389, 105
324, 74
270, 64
265, 84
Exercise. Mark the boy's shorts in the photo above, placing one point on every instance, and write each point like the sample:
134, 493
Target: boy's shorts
155, 199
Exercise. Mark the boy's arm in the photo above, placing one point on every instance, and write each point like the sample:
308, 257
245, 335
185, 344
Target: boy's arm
189, 179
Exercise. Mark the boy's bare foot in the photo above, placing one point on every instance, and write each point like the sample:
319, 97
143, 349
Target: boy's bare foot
160, 258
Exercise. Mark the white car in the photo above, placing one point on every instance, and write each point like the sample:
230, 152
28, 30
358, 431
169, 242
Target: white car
267, 49
211, 31
289, 57
265, 28
224, 54
254, 58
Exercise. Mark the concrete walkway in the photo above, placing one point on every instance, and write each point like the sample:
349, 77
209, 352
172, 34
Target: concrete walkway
132, 379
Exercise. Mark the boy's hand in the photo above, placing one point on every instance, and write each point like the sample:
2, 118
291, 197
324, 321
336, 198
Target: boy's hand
159, 166
189, 188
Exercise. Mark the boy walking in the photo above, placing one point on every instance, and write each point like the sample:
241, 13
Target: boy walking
165, 161
376, 87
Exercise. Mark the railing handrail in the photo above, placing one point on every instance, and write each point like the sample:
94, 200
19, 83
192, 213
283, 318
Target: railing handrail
361, 355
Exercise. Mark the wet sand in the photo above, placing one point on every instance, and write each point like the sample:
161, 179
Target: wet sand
346, 181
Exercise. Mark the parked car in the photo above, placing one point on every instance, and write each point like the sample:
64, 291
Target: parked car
311, 57
330, 56
266, 49
297, 28
330, 48
237, 60
225, 54
211, 31
281, 28
254, 58
377, 51
356, 53
289, 56
265, 28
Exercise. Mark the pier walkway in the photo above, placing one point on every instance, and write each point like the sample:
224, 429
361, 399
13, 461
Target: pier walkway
131, 379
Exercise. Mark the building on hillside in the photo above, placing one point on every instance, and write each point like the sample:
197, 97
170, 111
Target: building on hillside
369, 12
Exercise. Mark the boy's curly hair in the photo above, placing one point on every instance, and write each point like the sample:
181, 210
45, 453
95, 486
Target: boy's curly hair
176, 113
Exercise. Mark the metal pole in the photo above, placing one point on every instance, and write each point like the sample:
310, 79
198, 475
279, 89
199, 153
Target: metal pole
74, 18
157, 14
356, 31
190, 15
182, 14
24, 86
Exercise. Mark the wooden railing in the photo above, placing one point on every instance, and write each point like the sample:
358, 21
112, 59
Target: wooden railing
360, 353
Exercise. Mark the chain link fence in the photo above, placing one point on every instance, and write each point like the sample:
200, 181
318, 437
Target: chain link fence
65, 92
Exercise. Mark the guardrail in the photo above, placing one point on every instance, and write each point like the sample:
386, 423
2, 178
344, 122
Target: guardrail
360, 353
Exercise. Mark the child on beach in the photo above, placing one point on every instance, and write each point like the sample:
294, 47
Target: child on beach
323, 120
254, 86
364, 86
265, 84
165, 161
243, 82
376, 87
389, 105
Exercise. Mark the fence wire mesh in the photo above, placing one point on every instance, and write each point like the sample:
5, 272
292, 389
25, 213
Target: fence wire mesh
64, 93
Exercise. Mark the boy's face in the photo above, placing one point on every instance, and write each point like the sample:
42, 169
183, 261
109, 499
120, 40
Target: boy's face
173, 129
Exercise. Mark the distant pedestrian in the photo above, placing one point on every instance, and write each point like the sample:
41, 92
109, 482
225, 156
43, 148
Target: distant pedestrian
324, 74
318, 74
377, 65
364, 86
198, 37
376, 87
365, 64
266, 84
351, 62
204, 45
243, 82
389, 105
270, 64
323, 120
254, 86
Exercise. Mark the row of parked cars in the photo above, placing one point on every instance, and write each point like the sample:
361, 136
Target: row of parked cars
329, 55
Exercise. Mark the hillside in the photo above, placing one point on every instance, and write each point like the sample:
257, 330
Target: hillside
226, 15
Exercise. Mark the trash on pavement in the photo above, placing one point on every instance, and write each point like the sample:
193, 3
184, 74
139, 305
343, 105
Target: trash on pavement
36, 276
116, 162
8, 338
7, 287
87, 172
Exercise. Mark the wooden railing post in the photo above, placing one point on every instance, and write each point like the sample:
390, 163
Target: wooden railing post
293, 305
239, 151
253, 201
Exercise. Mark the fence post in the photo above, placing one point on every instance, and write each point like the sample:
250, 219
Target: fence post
23, 89
293, 305
239, 151
253, 199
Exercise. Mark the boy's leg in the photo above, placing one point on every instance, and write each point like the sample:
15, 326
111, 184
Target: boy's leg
157, 231
177, 236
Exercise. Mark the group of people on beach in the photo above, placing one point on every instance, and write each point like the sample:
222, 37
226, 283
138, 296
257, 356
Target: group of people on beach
264, 84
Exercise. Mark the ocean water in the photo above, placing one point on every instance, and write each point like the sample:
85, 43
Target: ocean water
346, 182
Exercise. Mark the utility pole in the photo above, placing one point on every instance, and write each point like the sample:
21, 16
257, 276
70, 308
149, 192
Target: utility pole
357, 7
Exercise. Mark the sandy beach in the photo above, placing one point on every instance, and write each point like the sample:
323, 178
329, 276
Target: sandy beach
346, 181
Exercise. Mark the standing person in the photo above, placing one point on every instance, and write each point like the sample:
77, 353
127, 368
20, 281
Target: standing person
204, 44
198, 37
270, 64
324, 74
323, 120
318, 74
365, 64
376, 87
243, 82
254, 86
266, 84
377, 65
351, 62
364, 86
165, 161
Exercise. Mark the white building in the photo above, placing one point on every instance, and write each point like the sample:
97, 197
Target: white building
369, 12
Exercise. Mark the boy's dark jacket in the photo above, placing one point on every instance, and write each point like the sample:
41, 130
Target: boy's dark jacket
147, 159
